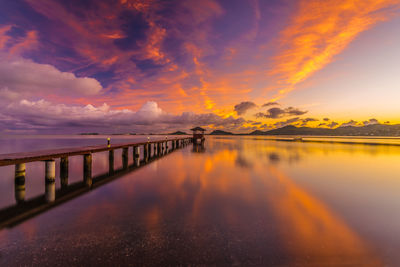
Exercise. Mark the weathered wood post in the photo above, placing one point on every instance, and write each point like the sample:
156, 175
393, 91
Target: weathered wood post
111, 161
64, 172
125, 157
149, 145
19, 182
50, 180
87, 169
145, 152
50, 170
136, 151
158, 149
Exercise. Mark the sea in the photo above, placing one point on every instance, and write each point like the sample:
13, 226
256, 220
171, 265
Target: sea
236, 200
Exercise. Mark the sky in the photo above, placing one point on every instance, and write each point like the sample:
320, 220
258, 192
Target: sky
141, 66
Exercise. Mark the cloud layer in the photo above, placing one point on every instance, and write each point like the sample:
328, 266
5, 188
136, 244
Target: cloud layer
275, 113
60, 61
45, 116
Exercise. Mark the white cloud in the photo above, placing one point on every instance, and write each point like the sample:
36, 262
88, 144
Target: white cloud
45, 115
21, 77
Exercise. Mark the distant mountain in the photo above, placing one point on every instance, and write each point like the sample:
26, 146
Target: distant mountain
368, 130
178, 133
257, 132
220, 132
89, 133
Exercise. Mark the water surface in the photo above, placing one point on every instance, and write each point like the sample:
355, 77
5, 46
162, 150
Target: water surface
239, 201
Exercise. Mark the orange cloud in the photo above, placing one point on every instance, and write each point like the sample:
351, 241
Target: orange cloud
19, 45
319, 31
3, 37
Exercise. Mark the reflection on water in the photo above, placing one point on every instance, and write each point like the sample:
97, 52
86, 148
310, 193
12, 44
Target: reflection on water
237, 201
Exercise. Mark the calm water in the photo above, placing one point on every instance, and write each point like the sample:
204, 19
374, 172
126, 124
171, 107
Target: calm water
241, 201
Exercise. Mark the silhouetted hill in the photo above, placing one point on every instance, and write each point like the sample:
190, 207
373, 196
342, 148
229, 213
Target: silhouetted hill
257, 132
178, 133
220, 132
368, 130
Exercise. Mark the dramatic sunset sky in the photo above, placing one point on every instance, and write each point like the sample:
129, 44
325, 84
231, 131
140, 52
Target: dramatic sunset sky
157, 66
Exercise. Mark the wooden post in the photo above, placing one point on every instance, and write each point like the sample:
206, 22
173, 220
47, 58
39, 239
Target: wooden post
149, 145
125, 157
50, 170
136, 151
19, 182
87, 169
111, 161
145, 152
50, 180
64, 172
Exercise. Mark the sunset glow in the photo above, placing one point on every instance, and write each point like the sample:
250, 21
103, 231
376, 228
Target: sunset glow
152, 66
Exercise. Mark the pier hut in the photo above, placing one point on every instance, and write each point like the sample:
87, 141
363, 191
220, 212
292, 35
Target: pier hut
198, 135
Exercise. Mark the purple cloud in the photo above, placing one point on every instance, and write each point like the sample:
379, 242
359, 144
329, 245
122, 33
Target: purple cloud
49, 117
274, 113
270, 104
243, 107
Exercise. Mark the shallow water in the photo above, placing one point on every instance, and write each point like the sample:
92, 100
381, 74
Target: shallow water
240, 201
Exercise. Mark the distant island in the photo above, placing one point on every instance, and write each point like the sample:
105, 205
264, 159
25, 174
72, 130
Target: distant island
368, 130
220, 132
89, 134
178, 133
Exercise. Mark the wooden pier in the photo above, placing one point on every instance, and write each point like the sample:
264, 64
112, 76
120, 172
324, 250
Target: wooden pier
63, 153
24, 209
158, 147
